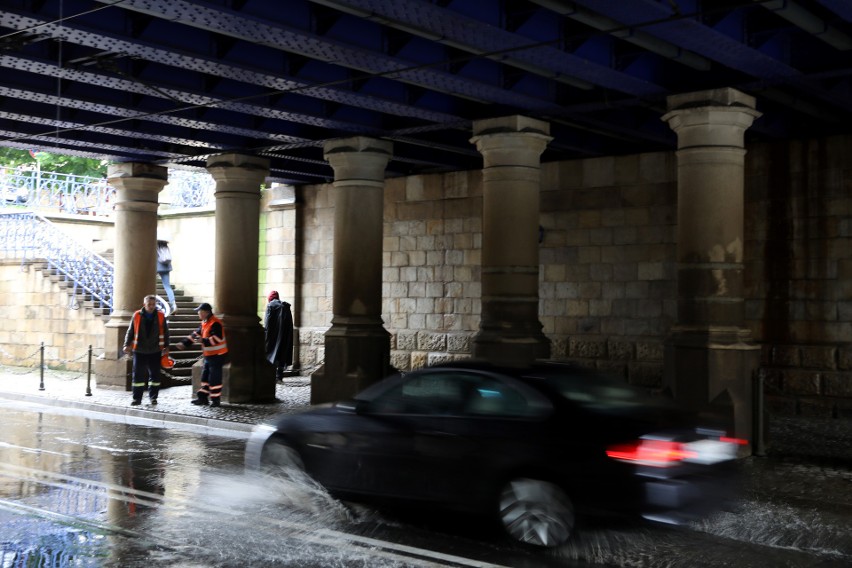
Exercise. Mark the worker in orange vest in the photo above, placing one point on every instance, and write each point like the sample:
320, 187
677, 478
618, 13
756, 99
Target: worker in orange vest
211, 335
148, 339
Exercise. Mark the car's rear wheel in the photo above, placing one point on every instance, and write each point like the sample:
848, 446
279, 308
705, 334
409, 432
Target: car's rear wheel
536, 512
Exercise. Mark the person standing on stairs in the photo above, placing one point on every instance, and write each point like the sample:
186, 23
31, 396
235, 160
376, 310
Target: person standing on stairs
164, 266
148, 339
211, 335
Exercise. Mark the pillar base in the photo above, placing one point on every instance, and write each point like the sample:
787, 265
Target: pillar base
114, 372
712, 372
513, 350
355, 358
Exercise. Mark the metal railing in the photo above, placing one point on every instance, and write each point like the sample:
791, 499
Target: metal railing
53, 191
189, 189
83, 195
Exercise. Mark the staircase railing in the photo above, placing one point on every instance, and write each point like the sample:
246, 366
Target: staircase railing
31, 237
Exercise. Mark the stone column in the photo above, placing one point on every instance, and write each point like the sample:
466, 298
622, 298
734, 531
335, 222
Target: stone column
510, 331
137, 187
248, 377
357, 346
710, 359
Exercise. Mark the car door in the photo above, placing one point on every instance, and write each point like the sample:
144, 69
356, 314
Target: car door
499, 427
398, 422
451, 430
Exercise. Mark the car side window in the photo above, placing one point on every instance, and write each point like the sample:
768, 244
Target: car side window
490, 397
456, 394
429, 393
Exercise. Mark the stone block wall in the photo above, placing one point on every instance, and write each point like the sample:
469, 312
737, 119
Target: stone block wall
608, 288
192, 234
37, 309
314, 218
798, 273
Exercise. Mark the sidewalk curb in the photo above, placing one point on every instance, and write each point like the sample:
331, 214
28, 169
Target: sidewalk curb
156, 417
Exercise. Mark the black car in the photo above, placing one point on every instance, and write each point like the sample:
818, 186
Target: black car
534, 447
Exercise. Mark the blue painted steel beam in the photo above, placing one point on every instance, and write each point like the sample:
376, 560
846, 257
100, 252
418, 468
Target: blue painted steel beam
294, 40
842, 8
445, 26
660, 19
149, 51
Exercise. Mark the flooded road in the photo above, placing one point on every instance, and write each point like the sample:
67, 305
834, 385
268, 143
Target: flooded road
76, 491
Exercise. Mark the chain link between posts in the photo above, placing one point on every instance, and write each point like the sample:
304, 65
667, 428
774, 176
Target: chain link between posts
34, 362
37, 364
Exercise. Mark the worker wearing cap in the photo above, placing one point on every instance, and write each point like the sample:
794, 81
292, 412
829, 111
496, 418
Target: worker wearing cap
148, 339
211, 335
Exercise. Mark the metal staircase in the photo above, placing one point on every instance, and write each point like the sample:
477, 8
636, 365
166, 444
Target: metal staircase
181, 323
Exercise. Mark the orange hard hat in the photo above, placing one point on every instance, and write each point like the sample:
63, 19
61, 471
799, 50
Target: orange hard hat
167, 362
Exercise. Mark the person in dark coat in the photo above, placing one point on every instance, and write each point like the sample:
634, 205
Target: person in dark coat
279, 334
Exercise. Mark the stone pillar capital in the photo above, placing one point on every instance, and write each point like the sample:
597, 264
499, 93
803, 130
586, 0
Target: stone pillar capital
244, 169
358, 160
718, 117
515, 124
131, 171
137, 185
515, 140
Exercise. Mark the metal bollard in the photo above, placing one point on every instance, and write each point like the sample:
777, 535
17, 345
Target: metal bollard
759, 418
89, 375
41, 366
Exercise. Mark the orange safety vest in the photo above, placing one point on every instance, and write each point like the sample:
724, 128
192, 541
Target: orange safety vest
218, 345
137, 318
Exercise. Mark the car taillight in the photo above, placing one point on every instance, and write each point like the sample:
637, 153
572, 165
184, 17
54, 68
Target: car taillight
655, 453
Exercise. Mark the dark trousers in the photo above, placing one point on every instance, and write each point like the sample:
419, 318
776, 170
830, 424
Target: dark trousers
146, 372
211, 377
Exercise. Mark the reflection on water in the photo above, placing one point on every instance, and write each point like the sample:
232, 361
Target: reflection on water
228, 519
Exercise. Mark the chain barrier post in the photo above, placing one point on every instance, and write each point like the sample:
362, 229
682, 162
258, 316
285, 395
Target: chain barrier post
41, 367
89, 375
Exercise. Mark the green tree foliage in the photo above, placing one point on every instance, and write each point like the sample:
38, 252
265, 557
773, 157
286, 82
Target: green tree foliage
12, 157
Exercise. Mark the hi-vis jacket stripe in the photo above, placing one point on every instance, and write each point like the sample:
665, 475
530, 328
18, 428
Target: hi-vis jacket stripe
214, 345
137, 318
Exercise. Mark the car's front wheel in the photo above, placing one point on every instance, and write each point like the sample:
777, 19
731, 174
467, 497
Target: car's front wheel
536, 512
279, 455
